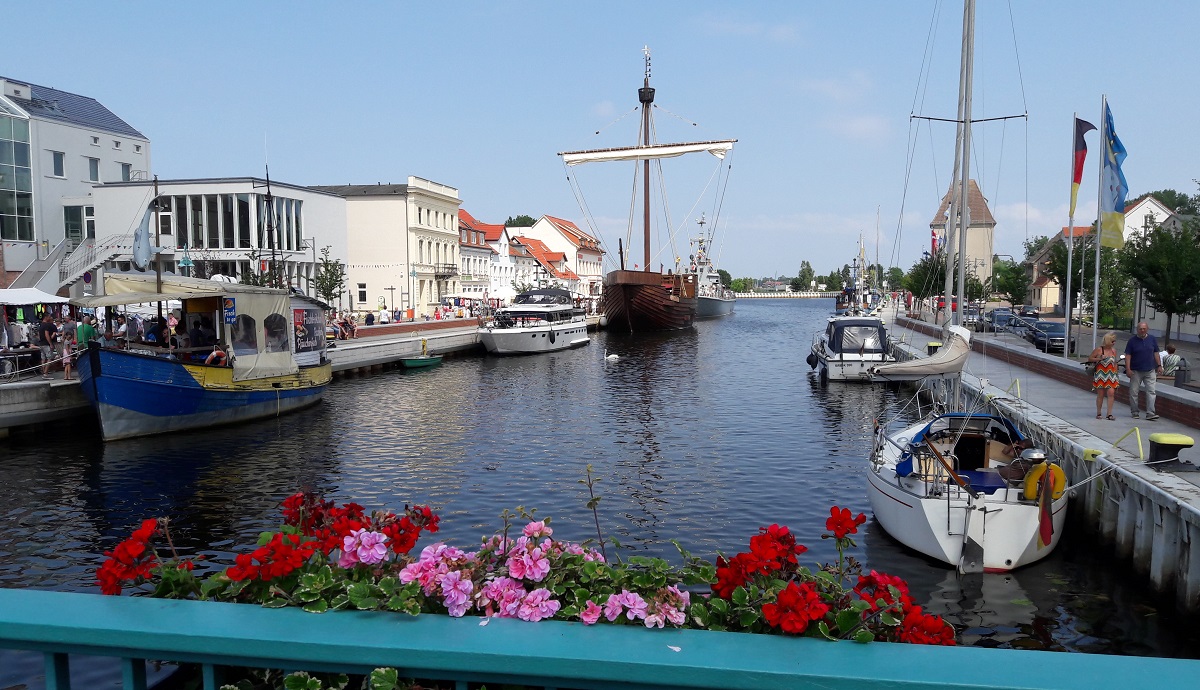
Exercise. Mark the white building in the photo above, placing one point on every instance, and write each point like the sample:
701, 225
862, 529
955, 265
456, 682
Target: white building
504, 264
221, 226
476, 257
402, 246
54, 147
582, 252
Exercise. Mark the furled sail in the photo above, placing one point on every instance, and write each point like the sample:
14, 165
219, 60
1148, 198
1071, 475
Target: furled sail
945, 363
648, 152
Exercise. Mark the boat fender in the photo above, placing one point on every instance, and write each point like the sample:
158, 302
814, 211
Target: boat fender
1057, 477
551, 334
812, 361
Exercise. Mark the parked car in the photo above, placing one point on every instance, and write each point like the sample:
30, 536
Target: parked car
1029, 310
1049, 336
995, 320
1020, 326
971, 316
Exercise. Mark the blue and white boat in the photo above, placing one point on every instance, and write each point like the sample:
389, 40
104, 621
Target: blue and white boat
273, 358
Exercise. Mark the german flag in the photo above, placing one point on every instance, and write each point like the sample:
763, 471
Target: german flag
1081, 127
1046, 510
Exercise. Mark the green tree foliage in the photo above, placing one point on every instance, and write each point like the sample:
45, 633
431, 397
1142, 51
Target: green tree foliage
726, 279
1010, 281
806, 275
833, 282
254, 276
798, 285
1114, 282
1032, 247
741, 284
519, 222
927, 276
1166, 264
330, 278
975, 289
894, 277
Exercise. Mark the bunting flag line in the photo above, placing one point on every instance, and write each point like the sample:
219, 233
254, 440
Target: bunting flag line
1113, 187
1081, 127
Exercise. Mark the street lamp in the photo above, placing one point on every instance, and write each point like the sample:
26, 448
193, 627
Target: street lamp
311, 243
392, 298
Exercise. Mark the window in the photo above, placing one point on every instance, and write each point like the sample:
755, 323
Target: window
362, 292
211, 218
137, 148
89, 221
95, 141
59, 163
93, 169
116, 144
126, 171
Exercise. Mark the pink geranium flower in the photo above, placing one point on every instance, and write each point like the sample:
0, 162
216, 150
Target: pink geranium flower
537, 605
456, 592
591, 613
537, 529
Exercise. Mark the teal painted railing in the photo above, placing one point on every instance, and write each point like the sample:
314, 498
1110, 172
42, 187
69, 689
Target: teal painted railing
546, 654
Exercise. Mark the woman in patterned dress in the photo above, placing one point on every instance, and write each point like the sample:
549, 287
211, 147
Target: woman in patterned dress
1104, 377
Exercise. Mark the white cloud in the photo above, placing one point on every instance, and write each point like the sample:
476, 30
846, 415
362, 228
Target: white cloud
859, 127
852, 87
604, 109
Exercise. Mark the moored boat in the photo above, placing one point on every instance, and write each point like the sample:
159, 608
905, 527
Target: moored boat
422, 360
848, 348
713, 299
542, 320
270, 360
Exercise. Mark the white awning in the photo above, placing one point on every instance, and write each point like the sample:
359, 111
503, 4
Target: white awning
652, 152
29, 296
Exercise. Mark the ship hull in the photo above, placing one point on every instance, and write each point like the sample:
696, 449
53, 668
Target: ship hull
639, 301
140, 395
713, 307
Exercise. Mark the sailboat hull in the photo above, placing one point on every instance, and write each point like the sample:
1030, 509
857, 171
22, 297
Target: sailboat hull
640, 301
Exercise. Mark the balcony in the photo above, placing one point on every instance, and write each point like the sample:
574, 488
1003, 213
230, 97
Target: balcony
444, 271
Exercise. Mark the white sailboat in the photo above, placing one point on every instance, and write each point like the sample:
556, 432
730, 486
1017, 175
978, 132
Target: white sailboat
952, 485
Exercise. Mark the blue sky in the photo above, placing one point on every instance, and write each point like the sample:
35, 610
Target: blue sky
481, 96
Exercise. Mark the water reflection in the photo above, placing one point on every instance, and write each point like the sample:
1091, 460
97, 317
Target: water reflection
703, 436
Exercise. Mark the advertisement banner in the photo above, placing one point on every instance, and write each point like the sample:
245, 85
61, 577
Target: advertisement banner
309, 326
230, 311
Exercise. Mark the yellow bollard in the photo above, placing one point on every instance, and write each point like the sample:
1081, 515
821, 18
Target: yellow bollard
1089, 454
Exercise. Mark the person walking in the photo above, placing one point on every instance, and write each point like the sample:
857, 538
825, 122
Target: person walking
1143, 365
47, 336
1104, 376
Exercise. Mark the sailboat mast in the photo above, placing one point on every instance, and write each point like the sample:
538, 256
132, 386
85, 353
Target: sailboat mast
965, 214
646, 97
157, 244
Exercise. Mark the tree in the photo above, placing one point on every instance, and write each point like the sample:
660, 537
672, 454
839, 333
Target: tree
1032, 247
927, 276
806, 275
894, 277
1114, 282
833, 282
519, 222
254, 276
330, 278
1167, 266
1010, 282
798, 285
741, 284
726, 279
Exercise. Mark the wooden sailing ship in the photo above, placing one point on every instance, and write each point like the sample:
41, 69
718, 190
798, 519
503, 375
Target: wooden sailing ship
644, 299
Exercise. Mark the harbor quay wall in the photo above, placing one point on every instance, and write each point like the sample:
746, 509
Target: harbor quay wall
1150, 519
26, 403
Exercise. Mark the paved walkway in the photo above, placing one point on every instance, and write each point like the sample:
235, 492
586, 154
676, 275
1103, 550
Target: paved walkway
1073, 405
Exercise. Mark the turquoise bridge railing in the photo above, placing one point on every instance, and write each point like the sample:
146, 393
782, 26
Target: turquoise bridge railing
545, 654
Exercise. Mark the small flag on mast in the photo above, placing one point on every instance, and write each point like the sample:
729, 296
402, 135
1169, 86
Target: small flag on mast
1113, 187
1081, 127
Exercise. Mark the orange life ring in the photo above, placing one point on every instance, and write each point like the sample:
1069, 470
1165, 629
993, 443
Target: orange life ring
1033, 479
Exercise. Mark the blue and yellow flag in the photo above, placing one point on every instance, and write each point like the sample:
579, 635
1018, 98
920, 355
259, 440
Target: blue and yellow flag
1114, 187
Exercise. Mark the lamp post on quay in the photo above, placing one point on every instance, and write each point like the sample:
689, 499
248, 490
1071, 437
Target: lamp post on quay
391, 298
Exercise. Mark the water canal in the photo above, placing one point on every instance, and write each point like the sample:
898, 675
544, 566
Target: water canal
700, 436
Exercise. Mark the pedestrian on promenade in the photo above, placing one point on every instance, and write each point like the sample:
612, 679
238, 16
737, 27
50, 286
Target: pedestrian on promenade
86, 332
1104, 374
1143, 365
1170, 362
47, 335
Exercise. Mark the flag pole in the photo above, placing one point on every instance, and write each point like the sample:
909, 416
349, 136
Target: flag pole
1104, 134
1070, 239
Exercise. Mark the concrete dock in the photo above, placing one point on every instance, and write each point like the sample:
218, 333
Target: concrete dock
1149, 514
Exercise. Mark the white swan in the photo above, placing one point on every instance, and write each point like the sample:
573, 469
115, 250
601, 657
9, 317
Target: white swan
610, 358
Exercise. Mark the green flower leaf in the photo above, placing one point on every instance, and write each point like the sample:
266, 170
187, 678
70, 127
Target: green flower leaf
860, 605
719, 606
847, 619
699, 614
301, 681
385, 679
823, 628
748, 618
318, 606
275, 603
864, 636
889, 619
740, 596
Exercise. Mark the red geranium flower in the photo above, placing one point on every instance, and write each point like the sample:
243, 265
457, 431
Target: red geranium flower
841, 524
129, 561
795, 607
775, 547
919, 628
731, 574
873, 587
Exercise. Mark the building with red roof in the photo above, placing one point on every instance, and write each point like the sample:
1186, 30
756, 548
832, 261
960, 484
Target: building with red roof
582, 255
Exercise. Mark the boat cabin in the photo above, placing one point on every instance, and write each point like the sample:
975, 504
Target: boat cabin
856, 336
974, 445
538, 308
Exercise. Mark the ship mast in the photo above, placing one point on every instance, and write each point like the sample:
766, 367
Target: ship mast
646, 97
